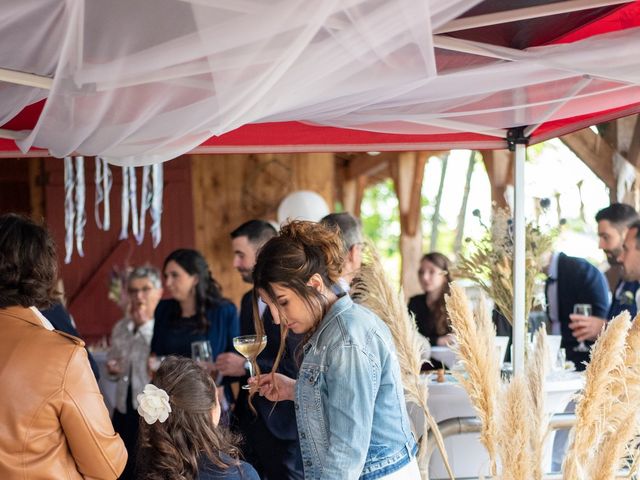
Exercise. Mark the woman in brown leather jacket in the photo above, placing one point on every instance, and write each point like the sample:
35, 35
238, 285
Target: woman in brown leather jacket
54, 421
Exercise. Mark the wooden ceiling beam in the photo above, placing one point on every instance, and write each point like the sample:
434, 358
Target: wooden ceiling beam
595, 152
363, 164
634, 148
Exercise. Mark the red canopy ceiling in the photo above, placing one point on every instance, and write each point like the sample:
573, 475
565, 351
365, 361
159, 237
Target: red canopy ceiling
296, 136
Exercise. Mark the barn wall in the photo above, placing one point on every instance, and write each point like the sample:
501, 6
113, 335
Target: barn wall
231, 189
86, 280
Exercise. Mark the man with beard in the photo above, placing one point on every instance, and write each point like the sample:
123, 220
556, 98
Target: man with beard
630, 256
613, 225
271, 436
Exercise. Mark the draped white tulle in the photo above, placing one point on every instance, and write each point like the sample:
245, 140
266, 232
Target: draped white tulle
143, 81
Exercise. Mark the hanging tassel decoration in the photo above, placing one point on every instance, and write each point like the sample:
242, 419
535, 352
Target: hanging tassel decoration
133, 201
156, 203
80, 213
69, 211
145, 202
103, 181
124, 208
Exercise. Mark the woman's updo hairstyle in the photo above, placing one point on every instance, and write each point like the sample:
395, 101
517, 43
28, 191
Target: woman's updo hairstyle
300, 250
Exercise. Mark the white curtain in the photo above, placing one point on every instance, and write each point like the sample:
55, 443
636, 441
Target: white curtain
143, 81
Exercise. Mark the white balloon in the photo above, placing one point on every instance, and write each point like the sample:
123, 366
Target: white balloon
302, 205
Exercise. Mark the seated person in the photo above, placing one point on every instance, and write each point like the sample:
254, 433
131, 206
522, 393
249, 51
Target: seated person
429, 308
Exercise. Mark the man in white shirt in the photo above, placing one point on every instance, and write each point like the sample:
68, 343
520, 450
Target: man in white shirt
130, 344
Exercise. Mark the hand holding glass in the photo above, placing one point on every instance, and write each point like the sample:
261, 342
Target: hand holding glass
582, 309
201, 351
250, 346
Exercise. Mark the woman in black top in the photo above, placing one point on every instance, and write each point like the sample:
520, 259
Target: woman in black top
429, 308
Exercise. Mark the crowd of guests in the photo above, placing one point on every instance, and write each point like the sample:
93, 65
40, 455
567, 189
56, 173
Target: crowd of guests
329, 403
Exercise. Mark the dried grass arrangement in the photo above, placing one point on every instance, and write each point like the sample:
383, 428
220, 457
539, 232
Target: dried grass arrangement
607, 416
514, 425
489, 261
372, 288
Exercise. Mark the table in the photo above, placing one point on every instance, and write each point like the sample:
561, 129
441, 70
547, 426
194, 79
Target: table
467, 456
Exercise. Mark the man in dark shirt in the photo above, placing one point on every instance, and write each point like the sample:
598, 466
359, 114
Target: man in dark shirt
271, 436
613, 223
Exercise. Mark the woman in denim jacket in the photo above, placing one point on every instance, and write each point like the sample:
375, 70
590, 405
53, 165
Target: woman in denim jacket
349, 400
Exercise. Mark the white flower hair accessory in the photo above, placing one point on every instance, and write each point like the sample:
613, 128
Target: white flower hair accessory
153, 404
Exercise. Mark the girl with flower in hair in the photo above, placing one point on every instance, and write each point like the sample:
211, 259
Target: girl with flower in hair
179, 434
349, 399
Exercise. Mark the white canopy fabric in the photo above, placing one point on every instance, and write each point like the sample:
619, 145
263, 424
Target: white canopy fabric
144, 81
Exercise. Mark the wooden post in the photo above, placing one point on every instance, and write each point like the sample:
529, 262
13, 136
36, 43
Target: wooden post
499, 165
36, 188
408, 172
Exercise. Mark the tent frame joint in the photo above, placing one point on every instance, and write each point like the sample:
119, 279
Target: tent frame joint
516, 136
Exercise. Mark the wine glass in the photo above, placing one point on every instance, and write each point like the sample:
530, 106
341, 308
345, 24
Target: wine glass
250, 346
582, 309
201, 351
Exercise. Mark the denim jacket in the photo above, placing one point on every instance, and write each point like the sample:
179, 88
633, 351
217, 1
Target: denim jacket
350, 405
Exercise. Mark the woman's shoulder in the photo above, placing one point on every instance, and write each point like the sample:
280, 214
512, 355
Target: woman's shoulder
240, 471
356, 325
225, 308
417, 300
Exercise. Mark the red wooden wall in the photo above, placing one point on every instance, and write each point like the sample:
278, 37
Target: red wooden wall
86, 280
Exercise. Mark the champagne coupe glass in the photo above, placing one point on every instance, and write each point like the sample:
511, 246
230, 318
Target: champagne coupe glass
201, 351
250, 347
582, 309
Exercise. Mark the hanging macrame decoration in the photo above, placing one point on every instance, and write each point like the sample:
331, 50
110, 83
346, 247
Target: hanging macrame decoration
150, 201
104, 181
157, 188
74, 206
75, 197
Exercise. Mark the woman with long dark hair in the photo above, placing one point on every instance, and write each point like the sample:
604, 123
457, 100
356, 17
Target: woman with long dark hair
349, 399
197, 310
429, 307
180, 438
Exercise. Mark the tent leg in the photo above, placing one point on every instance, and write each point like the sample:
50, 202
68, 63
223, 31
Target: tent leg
519, 333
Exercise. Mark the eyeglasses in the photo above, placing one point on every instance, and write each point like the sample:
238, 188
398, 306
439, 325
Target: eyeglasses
134, 291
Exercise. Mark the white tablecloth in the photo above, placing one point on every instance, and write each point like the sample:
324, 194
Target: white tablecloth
467, 456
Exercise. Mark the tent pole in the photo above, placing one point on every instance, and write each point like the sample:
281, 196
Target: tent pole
526, 13
27, 79
519, 252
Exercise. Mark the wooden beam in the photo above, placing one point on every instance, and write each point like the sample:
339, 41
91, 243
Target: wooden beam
36, 188
499, 166
352, 194
368, 165
407, 173
595, 152
634, 148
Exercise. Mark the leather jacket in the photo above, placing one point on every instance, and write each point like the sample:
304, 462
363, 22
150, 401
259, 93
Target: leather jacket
54, 423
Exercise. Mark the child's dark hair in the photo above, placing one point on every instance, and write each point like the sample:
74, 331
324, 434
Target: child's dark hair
173, 449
